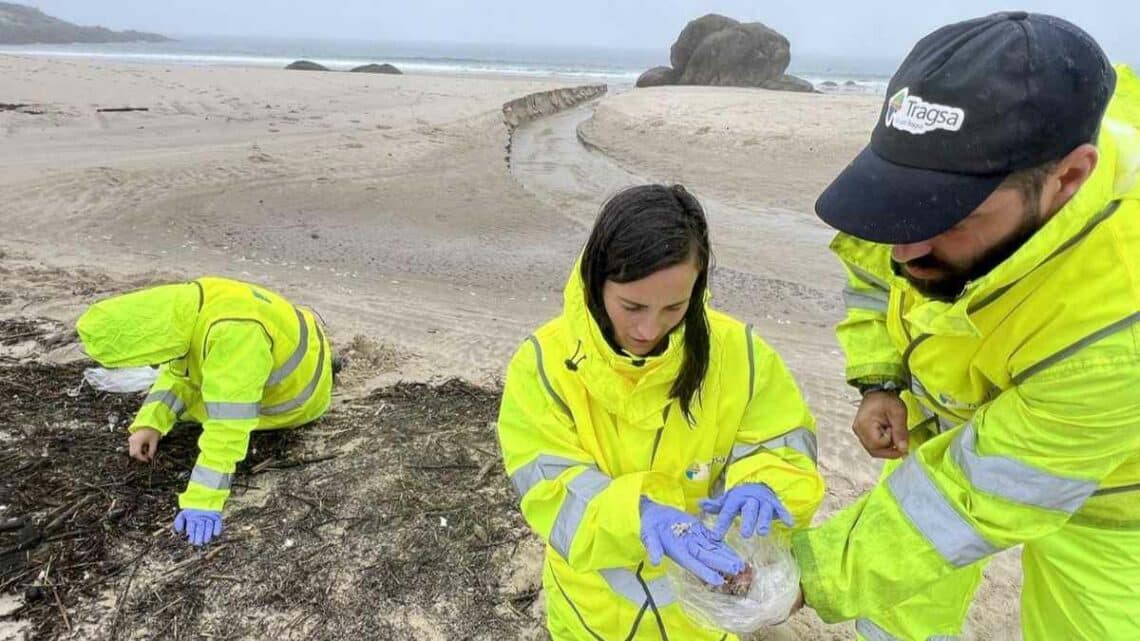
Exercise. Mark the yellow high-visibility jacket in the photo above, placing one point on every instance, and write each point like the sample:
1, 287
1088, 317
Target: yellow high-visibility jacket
235, 357
585, 432
1023, 395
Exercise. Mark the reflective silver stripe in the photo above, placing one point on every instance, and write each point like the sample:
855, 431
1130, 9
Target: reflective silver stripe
930, 415
625, 583
926, 507
307, 393
872, 632
916, 387
868, 277
296, 357
546, 381
167, 398
232, 411
662, 591
853, 299
579, 492
1076, 347
543, 468
211, 478
744, 450
800, 439
1015, 481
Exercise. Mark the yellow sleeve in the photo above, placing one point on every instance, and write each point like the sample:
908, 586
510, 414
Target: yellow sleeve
871, 357
776, 441
238, 361
169, 396
1021, 469
592, 520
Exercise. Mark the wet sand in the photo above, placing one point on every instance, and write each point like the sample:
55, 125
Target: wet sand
387, 203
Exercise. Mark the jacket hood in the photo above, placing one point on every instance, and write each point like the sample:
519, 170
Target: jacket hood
146, 327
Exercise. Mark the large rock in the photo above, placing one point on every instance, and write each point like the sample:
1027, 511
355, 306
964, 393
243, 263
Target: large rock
384, 68
657, 77
745, 55
788, 82
306, 65
693, 34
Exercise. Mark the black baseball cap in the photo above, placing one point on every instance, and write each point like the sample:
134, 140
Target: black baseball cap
972, 103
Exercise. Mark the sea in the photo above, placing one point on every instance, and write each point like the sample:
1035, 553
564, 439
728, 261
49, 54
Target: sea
619, 67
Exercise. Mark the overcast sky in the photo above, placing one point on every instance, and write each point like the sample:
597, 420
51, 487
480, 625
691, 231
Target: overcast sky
883, 29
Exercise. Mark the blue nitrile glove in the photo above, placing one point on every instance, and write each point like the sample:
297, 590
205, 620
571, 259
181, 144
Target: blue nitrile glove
667, 531
199, 526
756, 504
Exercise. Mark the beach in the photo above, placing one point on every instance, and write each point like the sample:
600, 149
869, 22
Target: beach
429, 237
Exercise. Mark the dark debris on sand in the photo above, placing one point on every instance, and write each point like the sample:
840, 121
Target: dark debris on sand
77, 513
390, 518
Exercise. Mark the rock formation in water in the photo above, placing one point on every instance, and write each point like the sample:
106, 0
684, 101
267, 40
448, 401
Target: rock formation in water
717, 50
657, 77
374, 68
305, 65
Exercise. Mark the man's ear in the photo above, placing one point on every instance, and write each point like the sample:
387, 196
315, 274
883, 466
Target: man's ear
1067, 178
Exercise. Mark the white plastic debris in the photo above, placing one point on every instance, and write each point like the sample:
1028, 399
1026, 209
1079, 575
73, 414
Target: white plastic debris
769, 601
120, 381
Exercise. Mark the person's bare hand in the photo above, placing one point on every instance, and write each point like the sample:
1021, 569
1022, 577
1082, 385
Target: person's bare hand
880, 425
143, 444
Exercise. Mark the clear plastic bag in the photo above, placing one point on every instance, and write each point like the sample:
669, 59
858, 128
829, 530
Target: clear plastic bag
120, 381
774, 590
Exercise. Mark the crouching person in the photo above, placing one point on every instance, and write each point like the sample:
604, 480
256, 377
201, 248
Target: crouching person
233, 357
636, 408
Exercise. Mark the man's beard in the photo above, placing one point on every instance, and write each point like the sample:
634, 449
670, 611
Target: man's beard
949, 287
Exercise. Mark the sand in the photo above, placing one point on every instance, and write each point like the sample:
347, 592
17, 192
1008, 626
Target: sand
387, 203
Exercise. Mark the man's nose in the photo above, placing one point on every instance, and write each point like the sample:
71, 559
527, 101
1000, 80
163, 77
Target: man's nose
911, 251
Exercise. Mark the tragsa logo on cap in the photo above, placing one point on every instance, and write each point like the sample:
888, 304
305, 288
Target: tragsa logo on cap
914, 115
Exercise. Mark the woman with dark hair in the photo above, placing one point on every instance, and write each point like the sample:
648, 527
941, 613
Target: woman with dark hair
638, 405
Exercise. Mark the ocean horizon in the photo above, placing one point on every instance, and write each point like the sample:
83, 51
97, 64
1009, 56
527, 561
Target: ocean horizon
612, 65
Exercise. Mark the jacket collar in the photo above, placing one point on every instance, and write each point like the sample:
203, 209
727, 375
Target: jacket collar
1116, 177
633, 388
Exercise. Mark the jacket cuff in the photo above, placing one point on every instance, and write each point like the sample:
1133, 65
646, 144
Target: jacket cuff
875, 374
151, 420
815, 590
200, 497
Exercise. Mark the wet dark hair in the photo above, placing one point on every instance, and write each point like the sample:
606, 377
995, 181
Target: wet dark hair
639, 232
